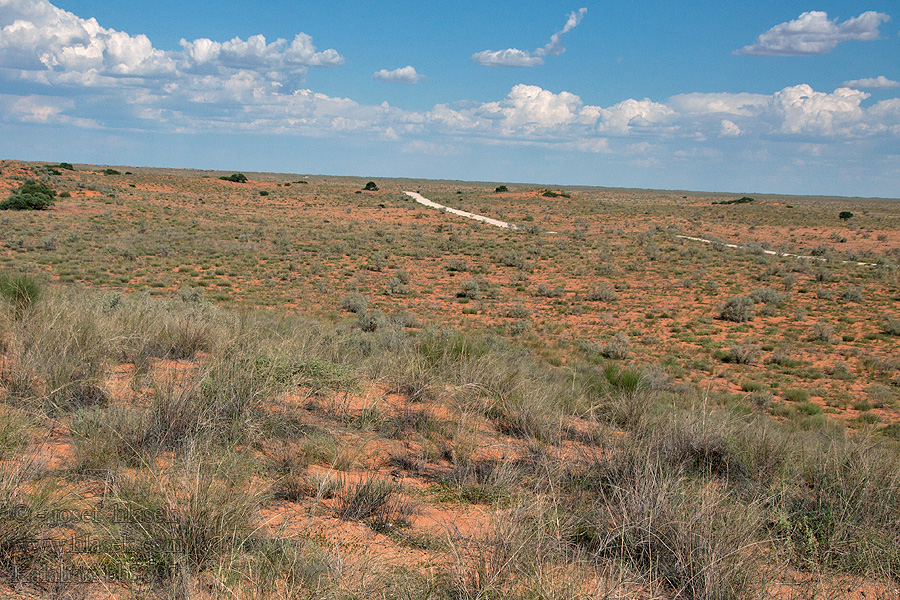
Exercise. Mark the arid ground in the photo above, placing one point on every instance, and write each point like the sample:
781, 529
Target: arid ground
295, 387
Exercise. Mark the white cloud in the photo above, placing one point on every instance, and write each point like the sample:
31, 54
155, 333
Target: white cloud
513, 57
729, 129
555, 46
97, 77
740, 104
510, 57
529, 107
255, 53
405, 74
629, 114
49, 45
802, 110
813, 33
37, 36
872, 83
42, 110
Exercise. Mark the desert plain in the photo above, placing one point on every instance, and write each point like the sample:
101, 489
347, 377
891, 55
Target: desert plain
296, 387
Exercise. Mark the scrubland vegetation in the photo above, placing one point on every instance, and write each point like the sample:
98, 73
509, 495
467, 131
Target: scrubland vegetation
324, 394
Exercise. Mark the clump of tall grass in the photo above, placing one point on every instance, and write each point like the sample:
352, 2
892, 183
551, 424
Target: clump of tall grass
20, 290
202, 510
57, 356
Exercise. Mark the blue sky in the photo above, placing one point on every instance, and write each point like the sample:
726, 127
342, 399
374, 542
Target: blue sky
785, 97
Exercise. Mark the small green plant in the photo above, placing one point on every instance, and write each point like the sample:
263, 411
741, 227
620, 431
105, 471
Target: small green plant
371, 187
845, 215
263, 193
111, 172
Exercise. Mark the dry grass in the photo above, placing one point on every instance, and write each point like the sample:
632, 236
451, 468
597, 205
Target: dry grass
588, 429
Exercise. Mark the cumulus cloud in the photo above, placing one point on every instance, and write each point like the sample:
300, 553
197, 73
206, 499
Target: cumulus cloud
37, 36
97, 77
513, 57
813, 33
46, 44
805, 111
629, 114
872, 83
405, 74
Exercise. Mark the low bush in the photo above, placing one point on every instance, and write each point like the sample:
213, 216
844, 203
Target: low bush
738, 309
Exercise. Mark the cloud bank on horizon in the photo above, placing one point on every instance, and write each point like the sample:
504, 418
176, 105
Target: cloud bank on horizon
513, 57
66, 71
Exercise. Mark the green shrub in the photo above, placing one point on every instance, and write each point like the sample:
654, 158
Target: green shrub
603, 293
618, 347
845, 214
355, 303
235, 177
501, 189
738, 309
371, 187
111, 172
30, 196
796, 395
744, 200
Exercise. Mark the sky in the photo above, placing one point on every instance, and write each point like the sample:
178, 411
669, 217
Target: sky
787, 97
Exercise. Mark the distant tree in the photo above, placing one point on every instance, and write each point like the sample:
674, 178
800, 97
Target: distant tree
501, 189
371, 187
236, 177
66, 166
111, 172
845, 215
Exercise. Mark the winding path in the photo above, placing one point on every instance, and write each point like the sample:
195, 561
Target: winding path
422, 200
774, 253
497, 223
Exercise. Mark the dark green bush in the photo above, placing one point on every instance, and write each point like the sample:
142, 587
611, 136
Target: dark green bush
236, 177
30, 196
371, 187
